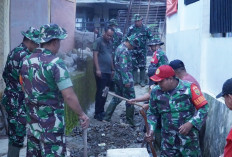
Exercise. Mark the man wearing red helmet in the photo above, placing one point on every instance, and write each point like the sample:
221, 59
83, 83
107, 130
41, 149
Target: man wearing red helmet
175, 101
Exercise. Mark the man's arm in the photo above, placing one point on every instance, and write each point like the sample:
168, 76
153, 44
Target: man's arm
73, 102
202, 107
96, 64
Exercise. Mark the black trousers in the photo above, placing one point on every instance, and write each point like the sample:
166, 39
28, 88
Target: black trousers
101, 83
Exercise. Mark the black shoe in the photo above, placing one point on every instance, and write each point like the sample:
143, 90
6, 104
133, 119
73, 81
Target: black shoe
98, 117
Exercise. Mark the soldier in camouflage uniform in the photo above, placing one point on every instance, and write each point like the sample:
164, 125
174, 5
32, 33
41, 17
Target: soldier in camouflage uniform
175, 102
117, 37
116, 40
123, 78
46, 85
159, 58
13, 97
139, 55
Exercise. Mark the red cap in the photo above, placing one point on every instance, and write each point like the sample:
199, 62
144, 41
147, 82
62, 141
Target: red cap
164, 71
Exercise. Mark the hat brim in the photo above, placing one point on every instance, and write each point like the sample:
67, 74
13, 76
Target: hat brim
219, 95
152, 44
28, 37
132, 44
156, 78
44, 40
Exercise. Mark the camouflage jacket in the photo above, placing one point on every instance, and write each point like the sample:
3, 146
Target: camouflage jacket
117, 38
44, 76
123, 65
12, 69
159, 58
177, 107
143, 34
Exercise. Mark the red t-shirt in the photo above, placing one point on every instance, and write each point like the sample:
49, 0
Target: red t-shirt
190, 78
228, 147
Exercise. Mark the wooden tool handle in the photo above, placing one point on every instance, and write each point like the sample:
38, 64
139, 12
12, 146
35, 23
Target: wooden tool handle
142, 112
85, 154
120, 97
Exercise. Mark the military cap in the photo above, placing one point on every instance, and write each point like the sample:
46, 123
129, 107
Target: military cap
164, 71
155, 42
137, 17
52, 31
32, 34
176, 64
226, 88
113, 22
133, 40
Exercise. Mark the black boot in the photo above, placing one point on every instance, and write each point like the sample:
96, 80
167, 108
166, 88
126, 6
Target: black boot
135, 76
142, 77
130, 115
13, 151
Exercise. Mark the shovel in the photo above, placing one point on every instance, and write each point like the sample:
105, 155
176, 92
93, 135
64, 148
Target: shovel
85, 154
142, 112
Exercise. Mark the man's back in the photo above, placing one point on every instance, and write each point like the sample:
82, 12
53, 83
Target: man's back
190, 78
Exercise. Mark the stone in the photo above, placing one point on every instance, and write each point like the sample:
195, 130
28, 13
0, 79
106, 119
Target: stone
83, 39
128, 152
68, 61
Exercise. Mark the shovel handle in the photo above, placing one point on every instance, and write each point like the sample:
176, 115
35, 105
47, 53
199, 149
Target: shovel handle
85, 154
120, 97
142, 112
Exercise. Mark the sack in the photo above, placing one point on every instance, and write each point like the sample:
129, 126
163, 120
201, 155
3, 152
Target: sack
151, 70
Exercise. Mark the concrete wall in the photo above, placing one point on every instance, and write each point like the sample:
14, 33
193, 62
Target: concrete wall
63, 13
4, 37
39, 13
207, 59
218, 125
188, 38
26, 13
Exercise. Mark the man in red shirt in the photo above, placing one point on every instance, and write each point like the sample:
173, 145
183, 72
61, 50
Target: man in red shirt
181, 72
227, 94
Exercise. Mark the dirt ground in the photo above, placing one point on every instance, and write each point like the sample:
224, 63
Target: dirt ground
115, 134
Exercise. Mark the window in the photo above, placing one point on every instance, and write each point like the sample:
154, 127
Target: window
221, 18
187, 2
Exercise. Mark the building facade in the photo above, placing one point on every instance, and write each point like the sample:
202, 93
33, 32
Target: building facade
207, 56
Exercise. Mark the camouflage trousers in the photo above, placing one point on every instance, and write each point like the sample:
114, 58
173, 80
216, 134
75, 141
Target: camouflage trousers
128, 93
15, 108
53, 145
139, 58
179, 145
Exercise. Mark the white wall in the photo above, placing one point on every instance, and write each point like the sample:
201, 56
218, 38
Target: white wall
208, 59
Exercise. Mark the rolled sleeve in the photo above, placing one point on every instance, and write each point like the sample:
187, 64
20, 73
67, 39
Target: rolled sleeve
65, 84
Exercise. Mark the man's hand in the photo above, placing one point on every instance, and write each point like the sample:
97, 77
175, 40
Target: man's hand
98, 73
131, 101
84, 121
185, 128
149, 136
112, 74
127, 85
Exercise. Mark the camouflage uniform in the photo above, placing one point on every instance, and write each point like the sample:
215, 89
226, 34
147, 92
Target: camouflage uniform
13, 97
123, 76
44, 76
159, 58
118, 35
176, 108
139, 55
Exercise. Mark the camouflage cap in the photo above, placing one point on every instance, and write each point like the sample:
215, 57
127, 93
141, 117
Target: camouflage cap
137, 17
133, 40
155, 42
52, 31
113, 22
32, 34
